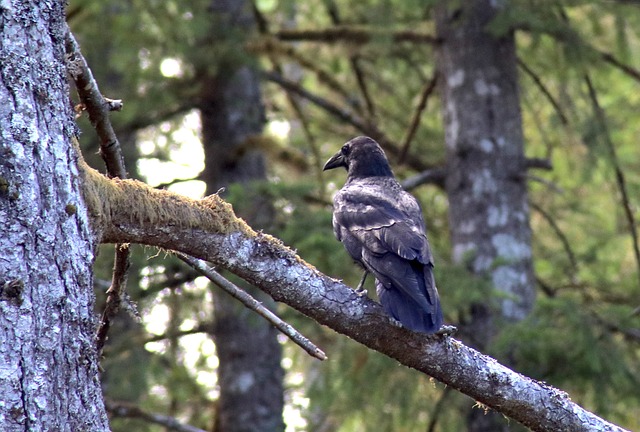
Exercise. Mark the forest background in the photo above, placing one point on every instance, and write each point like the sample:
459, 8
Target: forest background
255, 96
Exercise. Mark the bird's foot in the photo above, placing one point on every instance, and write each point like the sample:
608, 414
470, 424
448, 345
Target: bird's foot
446, 330
361, 292
394, 322
360, 289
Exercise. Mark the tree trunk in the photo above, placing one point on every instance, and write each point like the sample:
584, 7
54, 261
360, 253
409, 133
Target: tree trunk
48, 361
488, 209
249, 375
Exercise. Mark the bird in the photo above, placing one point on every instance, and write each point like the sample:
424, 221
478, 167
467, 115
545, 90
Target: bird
382, 228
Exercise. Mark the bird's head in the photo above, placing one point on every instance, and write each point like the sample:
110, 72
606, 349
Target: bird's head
361, 157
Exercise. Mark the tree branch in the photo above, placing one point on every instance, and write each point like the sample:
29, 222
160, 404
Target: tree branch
132, 411
620, 177
98, 108
208, 229
354, 59
545, 91
253, 304
359, 124
427, 90
354, 34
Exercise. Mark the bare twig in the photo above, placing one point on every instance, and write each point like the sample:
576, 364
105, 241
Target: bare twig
205, 327
631, 334
354, 59
114, 293
273, 47
355, 35
332, 109
548, 183
545, 91
427, 90
563, 238
628, 70
253, 304
435, 176
121, 409
98, 108
362, 126
538, 163
568, 35
620, 179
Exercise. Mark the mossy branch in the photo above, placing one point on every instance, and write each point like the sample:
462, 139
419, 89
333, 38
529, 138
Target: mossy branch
129, 211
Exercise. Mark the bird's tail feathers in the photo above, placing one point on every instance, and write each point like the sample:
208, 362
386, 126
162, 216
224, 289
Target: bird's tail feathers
406, 310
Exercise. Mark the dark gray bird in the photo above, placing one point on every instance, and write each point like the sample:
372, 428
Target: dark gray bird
382, 228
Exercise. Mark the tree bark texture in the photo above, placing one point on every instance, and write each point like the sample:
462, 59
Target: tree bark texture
250, 375
207, 229
486, 187
48, 362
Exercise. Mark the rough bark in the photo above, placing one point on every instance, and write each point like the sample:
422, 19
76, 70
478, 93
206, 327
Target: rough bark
486, 188
48, 362
207, 229
486, 184
250, 376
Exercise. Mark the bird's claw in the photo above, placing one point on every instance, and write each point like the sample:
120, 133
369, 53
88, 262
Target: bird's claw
361, 292
446, 330
394, 322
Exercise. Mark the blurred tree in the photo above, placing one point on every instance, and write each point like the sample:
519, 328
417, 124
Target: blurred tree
486, 172
250, 376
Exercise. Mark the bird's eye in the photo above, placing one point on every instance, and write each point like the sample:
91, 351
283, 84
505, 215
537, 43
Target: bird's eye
345, 149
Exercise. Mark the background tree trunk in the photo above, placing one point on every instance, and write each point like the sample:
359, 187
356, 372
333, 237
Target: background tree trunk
249, 375
486, 187
48, 362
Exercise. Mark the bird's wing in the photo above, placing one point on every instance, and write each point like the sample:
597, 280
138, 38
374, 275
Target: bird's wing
384, 230
383, 222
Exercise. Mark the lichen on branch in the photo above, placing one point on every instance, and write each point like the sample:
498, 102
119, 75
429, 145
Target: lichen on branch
113, 200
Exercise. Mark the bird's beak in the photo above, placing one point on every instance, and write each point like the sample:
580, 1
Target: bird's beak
337, 160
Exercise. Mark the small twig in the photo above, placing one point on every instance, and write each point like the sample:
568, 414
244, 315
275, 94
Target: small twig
98, 108
206, 327
114, 293
548, 183
538, 163
545, 91
631, 334
620, 179
364, 127
121, 409
628, 70
253, 304
354, 59
316, 100
114, 104
435, 176
546, 288
563, 238
427, 90
355, 35
273, 47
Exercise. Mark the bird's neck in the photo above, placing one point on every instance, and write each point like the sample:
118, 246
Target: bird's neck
370, 170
